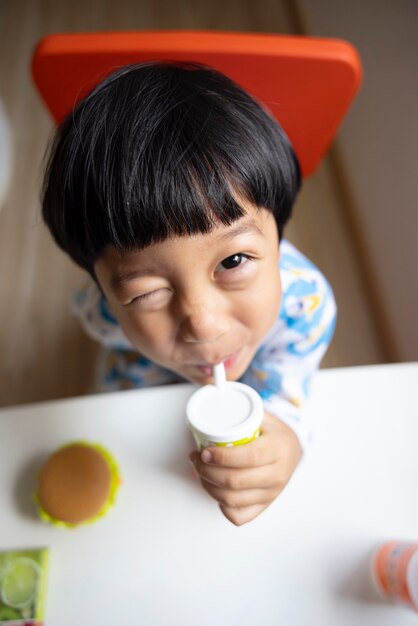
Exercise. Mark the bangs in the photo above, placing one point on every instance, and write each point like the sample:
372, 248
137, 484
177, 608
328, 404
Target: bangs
162, 150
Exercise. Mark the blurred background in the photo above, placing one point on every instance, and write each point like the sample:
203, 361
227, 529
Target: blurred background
356, 217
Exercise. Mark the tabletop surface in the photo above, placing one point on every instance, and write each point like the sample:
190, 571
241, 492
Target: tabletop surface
165, 554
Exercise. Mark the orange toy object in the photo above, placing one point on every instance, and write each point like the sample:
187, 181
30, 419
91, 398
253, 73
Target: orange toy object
307, 83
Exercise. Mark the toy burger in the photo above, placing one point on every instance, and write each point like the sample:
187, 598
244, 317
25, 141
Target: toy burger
77, 485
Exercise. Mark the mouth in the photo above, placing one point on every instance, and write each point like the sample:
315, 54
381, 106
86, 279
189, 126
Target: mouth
228, 361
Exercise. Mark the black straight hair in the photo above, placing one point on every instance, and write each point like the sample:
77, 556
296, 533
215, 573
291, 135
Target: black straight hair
163, 149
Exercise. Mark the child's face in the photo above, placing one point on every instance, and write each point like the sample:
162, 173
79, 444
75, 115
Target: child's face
191, 302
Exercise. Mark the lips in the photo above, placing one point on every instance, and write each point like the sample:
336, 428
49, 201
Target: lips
207, 370
228, 361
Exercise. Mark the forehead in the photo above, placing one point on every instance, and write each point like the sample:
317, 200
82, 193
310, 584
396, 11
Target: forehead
120, 267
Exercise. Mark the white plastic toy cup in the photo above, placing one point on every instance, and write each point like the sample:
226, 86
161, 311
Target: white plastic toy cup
395, 572
228, 414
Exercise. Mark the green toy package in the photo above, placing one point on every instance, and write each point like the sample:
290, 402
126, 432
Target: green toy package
23, 586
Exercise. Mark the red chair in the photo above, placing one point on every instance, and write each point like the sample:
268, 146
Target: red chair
307, 83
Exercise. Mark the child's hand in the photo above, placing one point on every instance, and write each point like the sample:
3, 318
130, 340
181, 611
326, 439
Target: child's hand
246, 479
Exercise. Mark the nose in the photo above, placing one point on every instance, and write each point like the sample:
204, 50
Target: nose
203, 322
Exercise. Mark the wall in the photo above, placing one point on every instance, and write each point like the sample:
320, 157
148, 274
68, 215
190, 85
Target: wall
377, 152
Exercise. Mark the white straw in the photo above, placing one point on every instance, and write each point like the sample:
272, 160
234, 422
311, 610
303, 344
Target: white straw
219, 375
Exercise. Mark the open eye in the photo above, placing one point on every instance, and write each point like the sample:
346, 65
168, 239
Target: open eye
233, 261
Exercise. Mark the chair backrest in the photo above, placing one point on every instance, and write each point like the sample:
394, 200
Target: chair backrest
307, 83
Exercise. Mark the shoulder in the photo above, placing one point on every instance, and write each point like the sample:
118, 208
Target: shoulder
297, 269
307, 296
308, 309
305, 290
91, 308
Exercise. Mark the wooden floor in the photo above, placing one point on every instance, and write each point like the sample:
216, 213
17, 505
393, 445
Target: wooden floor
43, 352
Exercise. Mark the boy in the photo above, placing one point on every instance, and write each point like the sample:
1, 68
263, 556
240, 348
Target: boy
171, 186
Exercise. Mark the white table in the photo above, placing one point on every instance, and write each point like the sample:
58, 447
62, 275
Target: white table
165, 554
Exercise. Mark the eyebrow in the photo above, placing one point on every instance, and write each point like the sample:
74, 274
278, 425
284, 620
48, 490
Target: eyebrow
248, 227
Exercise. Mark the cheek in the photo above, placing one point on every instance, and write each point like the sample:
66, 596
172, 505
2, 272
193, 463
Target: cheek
263, 303
268, 311
144, 332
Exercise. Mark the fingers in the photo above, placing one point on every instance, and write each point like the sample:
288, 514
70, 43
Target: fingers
239, 516
258, 452
238, 489
266, 476
238, 499
272, 446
